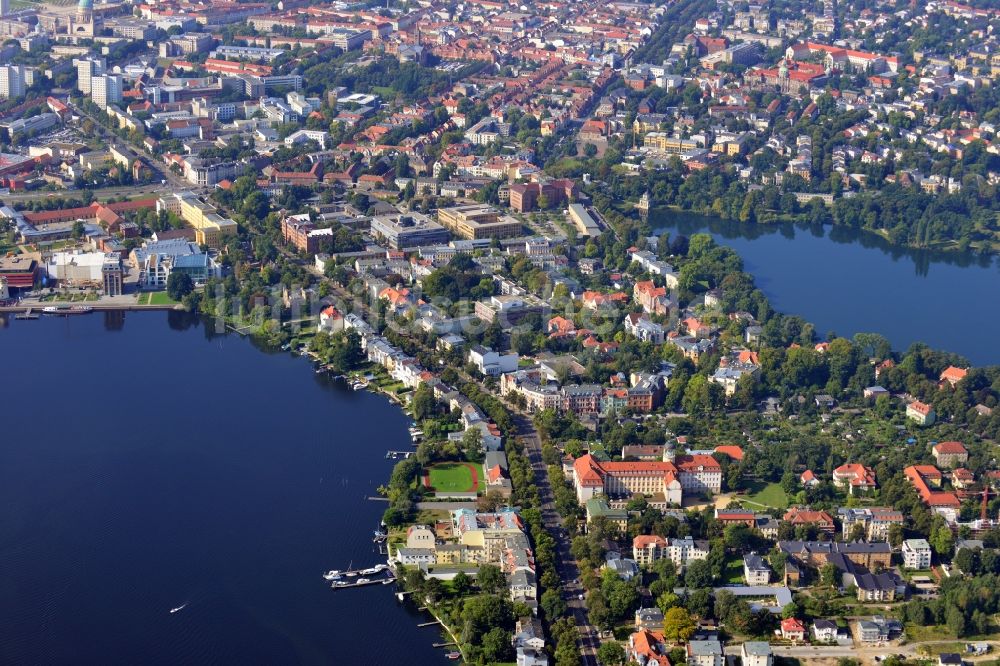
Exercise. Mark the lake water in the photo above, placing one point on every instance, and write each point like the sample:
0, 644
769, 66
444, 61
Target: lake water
848, 282
146, 463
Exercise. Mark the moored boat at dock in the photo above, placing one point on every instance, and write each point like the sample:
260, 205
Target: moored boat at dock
66, 309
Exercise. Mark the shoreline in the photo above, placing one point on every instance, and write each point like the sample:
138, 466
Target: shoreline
95, 307
949, 247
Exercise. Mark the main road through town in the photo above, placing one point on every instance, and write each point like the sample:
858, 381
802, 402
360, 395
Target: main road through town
569, 570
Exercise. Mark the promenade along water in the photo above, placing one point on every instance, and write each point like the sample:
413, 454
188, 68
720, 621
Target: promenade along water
850, 281
146, 463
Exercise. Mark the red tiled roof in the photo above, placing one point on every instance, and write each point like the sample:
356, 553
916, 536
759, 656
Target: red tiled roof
644, 540
950, 447
731, 450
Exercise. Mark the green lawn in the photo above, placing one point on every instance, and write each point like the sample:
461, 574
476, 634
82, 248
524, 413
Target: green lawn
455, 477
770, 495
916, 633
156, 298
733, 572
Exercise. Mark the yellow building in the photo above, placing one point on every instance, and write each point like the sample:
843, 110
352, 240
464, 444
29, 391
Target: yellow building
210, 228
478, 221
669, 144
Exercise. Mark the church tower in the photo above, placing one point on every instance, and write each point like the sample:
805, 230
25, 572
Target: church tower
85, 11
669, 449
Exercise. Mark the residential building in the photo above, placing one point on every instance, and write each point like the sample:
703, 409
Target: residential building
624, 568
884, 586
793, 629
927, 480
648, 648
808, 479
300, 232
855, 477
653, 299
756, 653
797, 516
871, 632
817, 553
86, 70
824, 631
12, 81
755, 570
705, 653
598, 507
106, 90
491, 363
639, 326
649, 618
646, 549
916, 554
950, 454
952, 375
922, 413
876, 521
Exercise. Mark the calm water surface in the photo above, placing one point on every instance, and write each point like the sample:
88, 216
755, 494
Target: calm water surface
848, 281
146, 464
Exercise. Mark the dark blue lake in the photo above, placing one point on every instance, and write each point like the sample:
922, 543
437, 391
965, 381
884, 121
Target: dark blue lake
849, 282
146, 463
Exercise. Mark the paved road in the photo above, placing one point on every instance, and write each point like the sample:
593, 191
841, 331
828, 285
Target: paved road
568, 569
100, 194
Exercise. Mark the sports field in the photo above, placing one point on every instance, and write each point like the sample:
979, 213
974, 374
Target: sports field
452, 477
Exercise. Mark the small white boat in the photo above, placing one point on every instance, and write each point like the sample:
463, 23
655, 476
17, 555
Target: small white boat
178, 609
66, 309
362, 581
333, 574
340, 583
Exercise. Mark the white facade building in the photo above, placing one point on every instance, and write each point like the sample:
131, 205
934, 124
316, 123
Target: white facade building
916, 554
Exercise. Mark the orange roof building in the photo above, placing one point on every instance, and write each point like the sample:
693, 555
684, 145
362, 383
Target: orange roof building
953, 375
800, 516
662, 482
854, 476
923, 477
648, 648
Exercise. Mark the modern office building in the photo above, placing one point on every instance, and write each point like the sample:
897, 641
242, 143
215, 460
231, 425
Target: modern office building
410, 230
